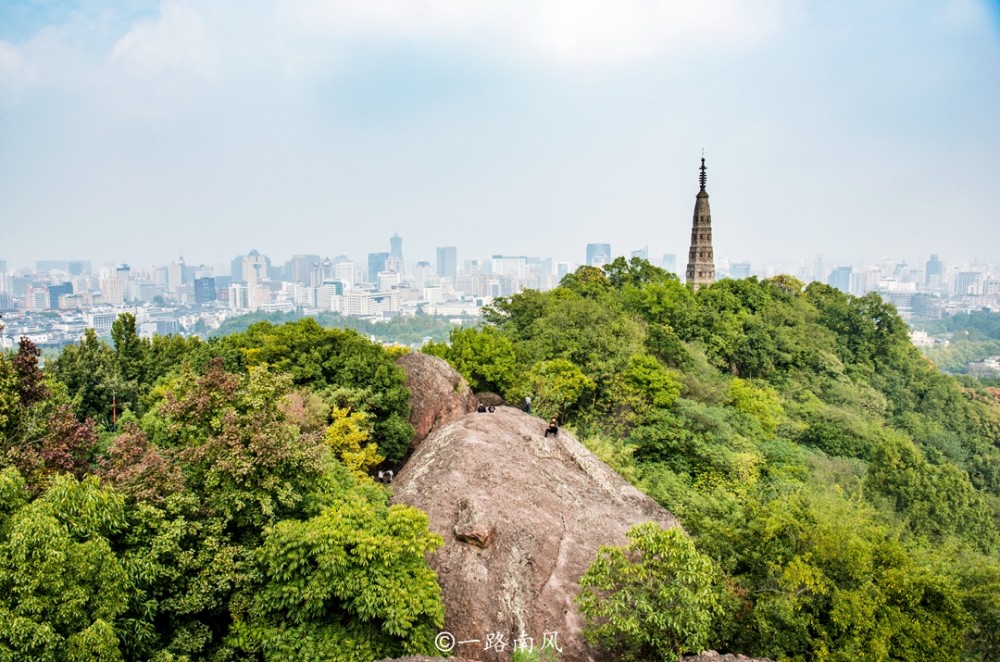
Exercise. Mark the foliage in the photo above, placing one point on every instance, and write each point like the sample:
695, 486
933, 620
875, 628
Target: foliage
483, 356
654, 599
350, 583
347, 436
332, 359
557, 387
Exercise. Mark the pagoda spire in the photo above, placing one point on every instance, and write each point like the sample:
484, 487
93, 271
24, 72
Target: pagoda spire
701, 258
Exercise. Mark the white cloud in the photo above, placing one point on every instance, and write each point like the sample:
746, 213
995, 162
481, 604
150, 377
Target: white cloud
178, 41
564, 31
11, 59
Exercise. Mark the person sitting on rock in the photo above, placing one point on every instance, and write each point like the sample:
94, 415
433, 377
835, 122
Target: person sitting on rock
491, 409
481, 409
553, 427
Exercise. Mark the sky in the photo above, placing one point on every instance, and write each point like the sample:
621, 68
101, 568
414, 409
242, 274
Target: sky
139, 131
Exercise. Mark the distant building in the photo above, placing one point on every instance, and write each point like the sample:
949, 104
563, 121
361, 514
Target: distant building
934, 272
204, 290
376, 263
670, 262
447, 262
71, 267
642, 253
56, 291
255, 268
421, 272
701, 257
396, 253
175, 275
739, 270
840, 278
303, 269
967, 282
598, 254
36, 298
343, 270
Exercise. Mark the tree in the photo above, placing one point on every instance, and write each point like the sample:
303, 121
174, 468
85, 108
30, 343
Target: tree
351, 583
348, 436
652, 600
63, 590
485, 357
89, 372
556, 387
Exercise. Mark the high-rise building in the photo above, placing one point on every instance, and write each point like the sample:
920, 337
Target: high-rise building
701, 258
967, 282
840, 278
934, 273
175, 275
343, 270
204, 290
447, 262
598, 254
56, 291
670, 262
396, 253
642, 253
376, 263
256, 268
303, 269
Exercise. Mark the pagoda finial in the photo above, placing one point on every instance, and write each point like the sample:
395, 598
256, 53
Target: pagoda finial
703, 178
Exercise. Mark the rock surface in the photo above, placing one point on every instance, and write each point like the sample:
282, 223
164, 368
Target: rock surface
712, 656
440, 394
522, 516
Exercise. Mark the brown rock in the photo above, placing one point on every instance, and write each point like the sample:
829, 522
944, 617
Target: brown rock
440, 393
712, 656
522, 517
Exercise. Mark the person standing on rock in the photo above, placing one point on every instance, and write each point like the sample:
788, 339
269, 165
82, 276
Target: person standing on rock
527, 404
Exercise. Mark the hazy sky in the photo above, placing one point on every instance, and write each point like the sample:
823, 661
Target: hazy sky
139, 130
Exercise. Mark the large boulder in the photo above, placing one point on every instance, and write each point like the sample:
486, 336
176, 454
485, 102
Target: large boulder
440, 393
522, 516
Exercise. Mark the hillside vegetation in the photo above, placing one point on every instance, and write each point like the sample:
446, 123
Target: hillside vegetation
174, 499
226, 514
846, 489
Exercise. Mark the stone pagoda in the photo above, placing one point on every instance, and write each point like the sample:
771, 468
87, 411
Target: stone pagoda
701, 259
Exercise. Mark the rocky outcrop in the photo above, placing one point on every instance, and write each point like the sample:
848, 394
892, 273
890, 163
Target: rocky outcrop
522, 516
440, 394
712, 656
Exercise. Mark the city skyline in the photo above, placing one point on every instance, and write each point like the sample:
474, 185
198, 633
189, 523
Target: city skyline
145, 131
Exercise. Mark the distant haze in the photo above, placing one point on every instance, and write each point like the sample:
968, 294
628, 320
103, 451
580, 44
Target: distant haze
141, 131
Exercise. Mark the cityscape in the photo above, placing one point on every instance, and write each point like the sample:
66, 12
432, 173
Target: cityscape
55, 301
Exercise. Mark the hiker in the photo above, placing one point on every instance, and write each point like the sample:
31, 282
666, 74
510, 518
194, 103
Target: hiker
527, 404
481, 409
491, 409
553, 428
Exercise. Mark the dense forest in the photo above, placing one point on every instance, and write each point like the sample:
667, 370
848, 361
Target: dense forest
178, 498
844, 491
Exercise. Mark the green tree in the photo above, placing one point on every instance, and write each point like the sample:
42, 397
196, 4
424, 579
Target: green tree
652, 600
485, 357
64, 592
556, 387
351, 583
